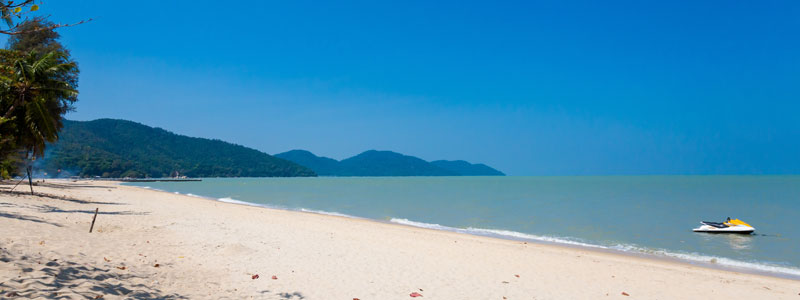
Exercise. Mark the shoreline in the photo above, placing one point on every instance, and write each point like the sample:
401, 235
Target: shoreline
156, 244
553, 241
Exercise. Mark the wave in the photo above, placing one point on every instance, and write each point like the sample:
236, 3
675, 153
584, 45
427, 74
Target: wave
505, 234
625, 248
231, 200
710, 259
329, 213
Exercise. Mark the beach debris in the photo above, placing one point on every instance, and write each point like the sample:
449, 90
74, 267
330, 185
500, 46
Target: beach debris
41, 243
94, 218
515, 275
156, 265
106, 259
421, 290
180, 256
356, 299
12, 294
255, 276
415, 294
625, 294
505, 281
99, 297
274, 277
122, 268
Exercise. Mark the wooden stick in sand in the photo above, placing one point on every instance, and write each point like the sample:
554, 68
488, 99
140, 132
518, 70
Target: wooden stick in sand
95, 217
20, 181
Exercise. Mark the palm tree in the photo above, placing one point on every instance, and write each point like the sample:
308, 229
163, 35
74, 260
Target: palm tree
36, 92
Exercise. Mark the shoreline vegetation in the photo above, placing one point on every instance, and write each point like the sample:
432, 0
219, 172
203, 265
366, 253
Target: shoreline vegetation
152, 244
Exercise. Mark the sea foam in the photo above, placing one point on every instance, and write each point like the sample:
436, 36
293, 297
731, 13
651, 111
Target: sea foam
329, 213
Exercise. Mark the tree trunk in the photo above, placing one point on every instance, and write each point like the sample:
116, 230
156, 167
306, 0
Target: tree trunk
30, 179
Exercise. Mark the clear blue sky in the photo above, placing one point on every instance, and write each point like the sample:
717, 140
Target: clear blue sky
529, 87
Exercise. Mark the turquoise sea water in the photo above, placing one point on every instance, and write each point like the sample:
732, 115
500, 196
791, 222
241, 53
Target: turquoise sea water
650, 215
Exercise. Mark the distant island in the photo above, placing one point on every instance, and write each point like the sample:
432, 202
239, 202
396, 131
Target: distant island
118, 148
385, 163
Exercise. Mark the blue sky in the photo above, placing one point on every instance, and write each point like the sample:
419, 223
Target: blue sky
530, 87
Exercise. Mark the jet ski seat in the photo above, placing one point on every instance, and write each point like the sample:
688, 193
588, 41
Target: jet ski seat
716, 224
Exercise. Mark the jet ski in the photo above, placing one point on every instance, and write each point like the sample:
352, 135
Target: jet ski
729, 226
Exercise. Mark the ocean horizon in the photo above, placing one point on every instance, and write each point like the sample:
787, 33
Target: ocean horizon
649, 215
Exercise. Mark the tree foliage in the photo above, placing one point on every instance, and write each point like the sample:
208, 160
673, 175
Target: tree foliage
38, 85
13, 13
35, 97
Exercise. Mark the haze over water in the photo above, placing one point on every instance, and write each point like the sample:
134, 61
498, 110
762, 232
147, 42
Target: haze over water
640, 214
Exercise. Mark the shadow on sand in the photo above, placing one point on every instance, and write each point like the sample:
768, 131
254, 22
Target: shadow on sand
26, 218
53, 209
66, 280
57, 197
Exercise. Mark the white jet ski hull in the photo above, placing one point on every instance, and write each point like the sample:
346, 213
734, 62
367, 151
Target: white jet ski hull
731, 229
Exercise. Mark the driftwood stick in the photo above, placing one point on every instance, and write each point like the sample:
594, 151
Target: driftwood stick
94, 218
20, 181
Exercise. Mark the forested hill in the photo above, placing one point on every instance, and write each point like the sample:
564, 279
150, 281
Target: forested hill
467, 169
119, 148
386, 163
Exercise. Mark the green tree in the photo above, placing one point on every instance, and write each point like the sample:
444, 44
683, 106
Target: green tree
38, 35
34, 98
37, 98
38, 84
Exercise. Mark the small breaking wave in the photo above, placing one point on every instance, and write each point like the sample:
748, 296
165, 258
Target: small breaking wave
709, 259
231, 200
329, 213
505, 234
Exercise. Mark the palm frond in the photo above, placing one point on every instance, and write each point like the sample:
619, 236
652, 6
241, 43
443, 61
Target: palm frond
41, 120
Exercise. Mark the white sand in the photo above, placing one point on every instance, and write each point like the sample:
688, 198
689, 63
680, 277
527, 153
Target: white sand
210, 250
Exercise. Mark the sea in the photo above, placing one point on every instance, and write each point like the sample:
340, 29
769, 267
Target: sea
638, 215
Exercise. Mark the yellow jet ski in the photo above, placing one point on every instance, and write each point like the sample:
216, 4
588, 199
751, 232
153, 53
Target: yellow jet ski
729, 226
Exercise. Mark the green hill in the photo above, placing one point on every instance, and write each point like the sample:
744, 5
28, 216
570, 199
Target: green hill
323, 166
119, 148
467, 169
386, 163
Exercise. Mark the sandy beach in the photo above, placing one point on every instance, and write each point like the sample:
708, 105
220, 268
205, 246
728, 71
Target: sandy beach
150, 244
